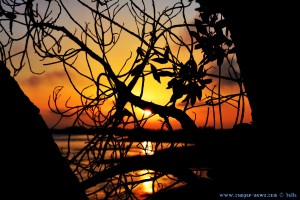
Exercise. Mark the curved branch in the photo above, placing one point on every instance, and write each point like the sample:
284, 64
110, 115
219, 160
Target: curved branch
186, 122
163, 161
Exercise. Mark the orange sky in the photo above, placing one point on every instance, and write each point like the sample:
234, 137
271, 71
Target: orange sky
39, 87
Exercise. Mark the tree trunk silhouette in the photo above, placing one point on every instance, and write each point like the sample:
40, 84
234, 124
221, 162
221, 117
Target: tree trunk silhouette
33, 165
253, 27
240, 23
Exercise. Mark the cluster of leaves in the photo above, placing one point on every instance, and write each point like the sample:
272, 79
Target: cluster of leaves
212, 36
187, 78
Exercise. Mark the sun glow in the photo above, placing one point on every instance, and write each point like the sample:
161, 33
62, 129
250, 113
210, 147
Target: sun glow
147, 112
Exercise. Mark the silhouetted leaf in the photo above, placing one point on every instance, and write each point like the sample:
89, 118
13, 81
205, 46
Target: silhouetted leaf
200, 27
193, 99
186, 99
193, 65
154, 73
177, 87
173, 98
210, 56
221, 24
176, 95
200, 9
205, 81
201, 74
198, 46
177, 90
160, 60
201, 68
137, 70
166, 73
229, 42
199, 94
10, 15
205, 15
194, 34
204, 60
190, 87
184, 71
171, 83
233, 50
219, 39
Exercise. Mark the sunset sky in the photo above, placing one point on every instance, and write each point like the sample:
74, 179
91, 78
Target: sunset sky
39, 87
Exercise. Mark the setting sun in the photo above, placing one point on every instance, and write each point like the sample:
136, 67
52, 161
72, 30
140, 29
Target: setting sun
147, 112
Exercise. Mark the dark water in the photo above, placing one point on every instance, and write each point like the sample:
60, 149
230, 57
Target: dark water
137, 148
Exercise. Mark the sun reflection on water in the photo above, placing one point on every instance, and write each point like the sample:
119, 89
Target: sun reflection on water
145, 181
147, 148
146, 187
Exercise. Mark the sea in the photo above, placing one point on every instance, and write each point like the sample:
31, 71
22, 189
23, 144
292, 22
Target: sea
140, 189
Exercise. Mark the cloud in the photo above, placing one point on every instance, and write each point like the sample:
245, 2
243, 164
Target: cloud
46, 78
